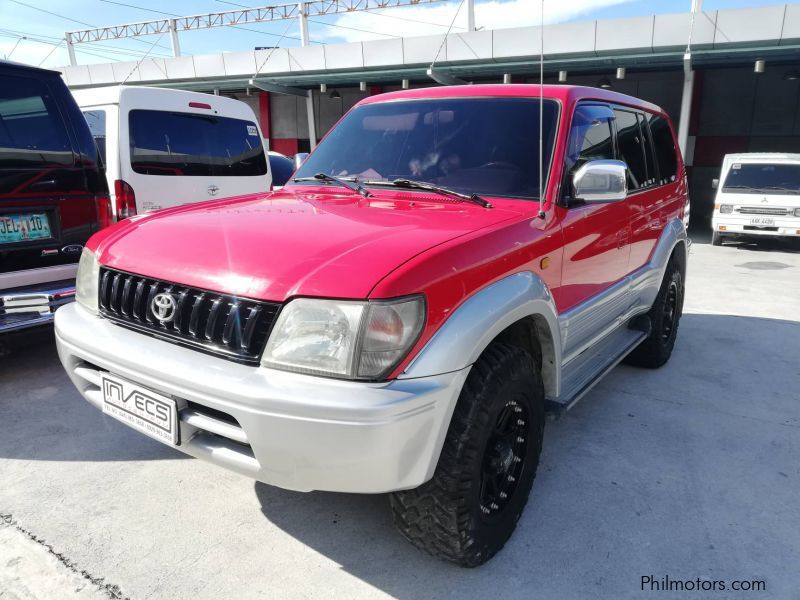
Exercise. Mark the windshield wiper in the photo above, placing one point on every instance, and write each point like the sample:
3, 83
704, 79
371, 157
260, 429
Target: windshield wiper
424, 185
351, 183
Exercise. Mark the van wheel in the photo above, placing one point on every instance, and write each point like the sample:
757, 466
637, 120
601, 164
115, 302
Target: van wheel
469, 509
716, 238
665, 315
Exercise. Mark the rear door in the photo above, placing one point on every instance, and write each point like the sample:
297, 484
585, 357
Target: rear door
48, 173
175, 157
646, 198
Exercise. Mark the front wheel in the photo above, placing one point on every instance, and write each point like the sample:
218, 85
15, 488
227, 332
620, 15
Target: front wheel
467, 512
665, 315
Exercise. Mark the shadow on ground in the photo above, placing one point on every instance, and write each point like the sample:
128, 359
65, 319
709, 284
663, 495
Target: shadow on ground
43, 417
701, 455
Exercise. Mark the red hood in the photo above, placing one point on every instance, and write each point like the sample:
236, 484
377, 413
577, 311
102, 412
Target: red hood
296, 242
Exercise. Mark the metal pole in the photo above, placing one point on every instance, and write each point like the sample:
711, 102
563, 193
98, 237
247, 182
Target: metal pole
688, 89
686, 108
70, 49
470, 15
312, 123
302, 12
173, 32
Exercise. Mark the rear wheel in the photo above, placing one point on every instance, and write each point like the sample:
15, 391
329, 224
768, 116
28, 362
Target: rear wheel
665, 315
716, 238
467, 512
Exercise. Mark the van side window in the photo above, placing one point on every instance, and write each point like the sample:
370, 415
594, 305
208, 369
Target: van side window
649, 159
97, 125
590, 138
32, 131
629, 142
665, 149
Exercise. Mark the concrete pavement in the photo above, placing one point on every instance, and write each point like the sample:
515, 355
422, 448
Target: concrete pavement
689, 471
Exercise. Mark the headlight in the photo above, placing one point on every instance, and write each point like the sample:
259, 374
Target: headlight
87, 280
797, 212
726, 208
340, 338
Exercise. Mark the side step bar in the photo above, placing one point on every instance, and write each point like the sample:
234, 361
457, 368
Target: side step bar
583, 372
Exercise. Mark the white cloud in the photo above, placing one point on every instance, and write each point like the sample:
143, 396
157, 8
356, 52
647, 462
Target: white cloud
432, 19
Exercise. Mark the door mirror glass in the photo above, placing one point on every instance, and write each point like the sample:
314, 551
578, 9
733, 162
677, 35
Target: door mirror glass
299, 159
600, 181
714, 184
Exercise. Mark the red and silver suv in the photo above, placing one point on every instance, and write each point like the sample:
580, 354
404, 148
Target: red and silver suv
401, 315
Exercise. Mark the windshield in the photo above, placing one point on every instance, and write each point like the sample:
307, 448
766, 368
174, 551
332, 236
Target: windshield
485, 146
755, 178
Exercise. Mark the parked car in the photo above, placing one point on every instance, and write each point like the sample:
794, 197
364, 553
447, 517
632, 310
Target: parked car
399, 317
52, 194
281, 167
166, 147
759, 196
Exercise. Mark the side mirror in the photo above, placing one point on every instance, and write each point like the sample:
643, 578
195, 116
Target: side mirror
714, 184
299, 159
601, 181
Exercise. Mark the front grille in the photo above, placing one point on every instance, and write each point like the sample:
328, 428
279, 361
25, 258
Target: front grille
761, 210
229, 326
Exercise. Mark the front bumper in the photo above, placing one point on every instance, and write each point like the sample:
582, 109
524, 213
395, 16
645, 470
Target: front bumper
29, 306
736, 225
294, 431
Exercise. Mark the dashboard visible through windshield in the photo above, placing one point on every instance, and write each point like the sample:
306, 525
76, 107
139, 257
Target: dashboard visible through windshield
485, 146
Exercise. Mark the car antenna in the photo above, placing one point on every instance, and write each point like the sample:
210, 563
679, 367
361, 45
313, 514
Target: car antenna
541, 113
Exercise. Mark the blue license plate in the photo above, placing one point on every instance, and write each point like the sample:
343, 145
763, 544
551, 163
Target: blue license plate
23, 228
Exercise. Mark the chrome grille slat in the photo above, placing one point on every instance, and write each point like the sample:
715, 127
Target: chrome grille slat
763, 210
228, 326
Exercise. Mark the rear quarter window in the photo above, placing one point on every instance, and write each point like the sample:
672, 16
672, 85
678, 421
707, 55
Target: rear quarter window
186, 144
664, 144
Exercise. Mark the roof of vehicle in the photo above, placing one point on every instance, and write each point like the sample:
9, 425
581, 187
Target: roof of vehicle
568, 94
112, 94
23, 67
761, 156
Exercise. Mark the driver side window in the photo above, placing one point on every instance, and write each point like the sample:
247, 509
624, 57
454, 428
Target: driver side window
590, 138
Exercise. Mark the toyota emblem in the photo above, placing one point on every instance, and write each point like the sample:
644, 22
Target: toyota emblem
212, 190
163, 307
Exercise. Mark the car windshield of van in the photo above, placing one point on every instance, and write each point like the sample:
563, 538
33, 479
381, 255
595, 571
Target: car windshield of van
485, 146
188, 144
761, 178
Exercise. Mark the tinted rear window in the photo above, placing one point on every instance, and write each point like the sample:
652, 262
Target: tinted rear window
172, 143
32, 131
756, 178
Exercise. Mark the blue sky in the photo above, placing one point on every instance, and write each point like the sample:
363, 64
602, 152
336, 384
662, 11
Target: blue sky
43, 31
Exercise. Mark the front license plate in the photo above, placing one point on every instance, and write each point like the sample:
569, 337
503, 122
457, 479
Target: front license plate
149, 412
21, 228
762, 221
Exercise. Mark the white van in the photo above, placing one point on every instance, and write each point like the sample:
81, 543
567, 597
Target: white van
165, 147
758, 194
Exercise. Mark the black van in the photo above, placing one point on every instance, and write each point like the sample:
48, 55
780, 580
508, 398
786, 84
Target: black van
53, 194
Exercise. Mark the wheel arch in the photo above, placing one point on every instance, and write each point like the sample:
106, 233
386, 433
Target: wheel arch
517, 309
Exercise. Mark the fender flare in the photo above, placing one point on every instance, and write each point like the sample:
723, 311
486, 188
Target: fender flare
482, 317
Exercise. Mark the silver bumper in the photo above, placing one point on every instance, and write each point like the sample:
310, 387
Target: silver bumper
294, 431
29, 306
